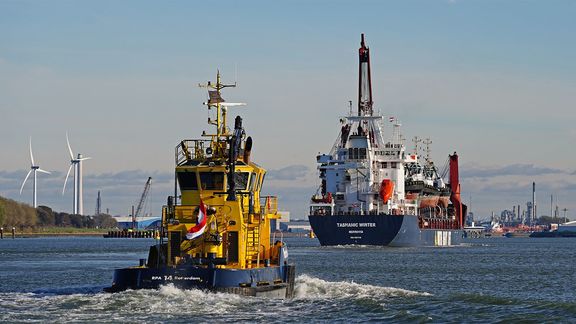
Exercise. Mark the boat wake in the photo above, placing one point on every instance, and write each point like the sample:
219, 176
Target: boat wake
308, 287
314, 298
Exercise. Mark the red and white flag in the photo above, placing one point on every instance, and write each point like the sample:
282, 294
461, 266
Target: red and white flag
200, 226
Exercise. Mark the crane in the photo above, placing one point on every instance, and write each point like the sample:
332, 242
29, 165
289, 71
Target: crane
141, 202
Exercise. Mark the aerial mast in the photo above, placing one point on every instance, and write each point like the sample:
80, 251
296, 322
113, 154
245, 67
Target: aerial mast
364, 81
216, 100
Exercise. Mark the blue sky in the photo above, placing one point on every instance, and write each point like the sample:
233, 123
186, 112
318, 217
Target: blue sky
493, 80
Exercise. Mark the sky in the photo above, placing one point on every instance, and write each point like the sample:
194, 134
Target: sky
494, 81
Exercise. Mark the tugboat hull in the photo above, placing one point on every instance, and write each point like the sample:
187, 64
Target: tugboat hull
273, 281
379, 229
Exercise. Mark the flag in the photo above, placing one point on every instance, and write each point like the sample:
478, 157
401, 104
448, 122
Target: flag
200, 226
391, 119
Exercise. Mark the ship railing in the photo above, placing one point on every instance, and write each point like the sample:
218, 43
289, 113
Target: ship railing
269, 204
188, 150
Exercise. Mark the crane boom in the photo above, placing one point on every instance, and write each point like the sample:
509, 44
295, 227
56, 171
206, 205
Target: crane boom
143, 197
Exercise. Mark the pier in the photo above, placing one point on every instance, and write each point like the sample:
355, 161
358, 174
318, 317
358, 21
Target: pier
132, 234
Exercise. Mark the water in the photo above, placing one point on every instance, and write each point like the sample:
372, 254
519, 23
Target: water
489, 280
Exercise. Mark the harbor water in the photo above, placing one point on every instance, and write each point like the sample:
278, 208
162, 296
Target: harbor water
60, 279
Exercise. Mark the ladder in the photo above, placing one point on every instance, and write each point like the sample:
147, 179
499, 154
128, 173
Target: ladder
253, 245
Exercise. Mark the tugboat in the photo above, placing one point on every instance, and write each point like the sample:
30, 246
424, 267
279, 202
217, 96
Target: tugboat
373, 192
216, 234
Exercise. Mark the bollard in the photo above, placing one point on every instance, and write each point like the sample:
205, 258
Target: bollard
13, 232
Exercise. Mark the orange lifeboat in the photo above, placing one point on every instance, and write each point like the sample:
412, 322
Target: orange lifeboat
386, 190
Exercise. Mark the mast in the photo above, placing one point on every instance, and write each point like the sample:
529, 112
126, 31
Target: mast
216, 101
364, 81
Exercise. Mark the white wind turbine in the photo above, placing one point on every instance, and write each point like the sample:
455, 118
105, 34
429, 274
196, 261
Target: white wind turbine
77, 164
33, 169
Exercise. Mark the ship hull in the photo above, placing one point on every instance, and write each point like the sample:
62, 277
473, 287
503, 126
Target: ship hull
379, 229
273, 281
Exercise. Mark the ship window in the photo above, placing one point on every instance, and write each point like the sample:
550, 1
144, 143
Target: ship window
262, 181
393, 165
362, 153
187, 181
252, 181
212, 180
241, 179
350, 153
355, 153
384, 165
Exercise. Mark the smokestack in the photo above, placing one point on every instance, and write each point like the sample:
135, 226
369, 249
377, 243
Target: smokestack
533, 218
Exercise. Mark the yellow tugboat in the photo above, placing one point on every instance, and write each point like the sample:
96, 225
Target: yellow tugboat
216, 234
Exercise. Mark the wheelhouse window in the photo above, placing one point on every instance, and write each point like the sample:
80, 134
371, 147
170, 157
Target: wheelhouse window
212, 180
252, 181
187, 180
241, 180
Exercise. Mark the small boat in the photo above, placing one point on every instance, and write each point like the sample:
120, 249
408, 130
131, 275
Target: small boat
215, 232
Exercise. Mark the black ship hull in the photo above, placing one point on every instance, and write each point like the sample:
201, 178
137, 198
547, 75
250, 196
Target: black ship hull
379, 229
273, 281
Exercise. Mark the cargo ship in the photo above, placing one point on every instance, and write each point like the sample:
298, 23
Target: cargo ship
216, 229
374, 192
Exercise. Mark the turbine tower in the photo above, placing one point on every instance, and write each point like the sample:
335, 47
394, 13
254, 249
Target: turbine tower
77, 164
33, 169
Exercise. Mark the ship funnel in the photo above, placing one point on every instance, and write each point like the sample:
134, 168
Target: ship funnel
247, 150
460, 208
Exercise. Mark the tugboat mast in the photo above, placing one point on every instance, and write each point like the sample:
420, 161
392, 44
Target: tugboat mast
216, 101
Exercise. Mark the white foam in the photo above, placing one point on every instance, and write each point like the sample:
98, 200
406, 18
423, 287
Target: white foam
308, 287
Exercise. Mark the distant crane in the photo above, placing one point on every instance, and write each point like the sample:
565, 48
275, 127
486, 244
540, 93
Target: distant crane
141, 202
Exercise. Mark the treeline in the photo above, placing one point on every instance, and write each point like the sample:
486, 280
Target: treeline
19, 215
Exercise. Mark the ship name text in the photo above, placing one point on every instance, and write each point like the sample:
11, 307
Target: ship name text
356, 224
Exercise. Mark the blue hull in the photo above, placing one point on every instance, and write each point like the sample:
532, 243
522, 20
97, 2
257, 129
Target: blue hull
379, 229
273, 281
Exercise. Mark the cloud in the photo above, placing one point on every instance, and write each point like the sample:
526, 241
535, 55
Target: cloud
507, 170
292, 172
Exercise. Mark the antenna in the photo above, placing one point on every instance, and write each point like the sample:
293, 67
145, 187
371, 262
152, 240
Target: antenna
416, 140
235, 73
220, 104
427, 142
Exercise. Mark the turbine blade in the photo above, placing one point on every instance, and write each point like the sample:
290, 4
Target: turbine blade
86, 158
23, 183
31, 156
43, 171
69, 148
67, 174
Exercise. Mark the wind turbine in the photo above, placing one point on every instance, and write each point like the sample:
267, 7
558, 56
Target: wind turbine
33, 169
77, 164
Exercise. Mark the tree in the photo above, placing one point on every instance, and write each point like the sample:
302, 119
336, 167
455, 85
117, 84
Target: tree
62, 219
2, 213
45, 216
105, 221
